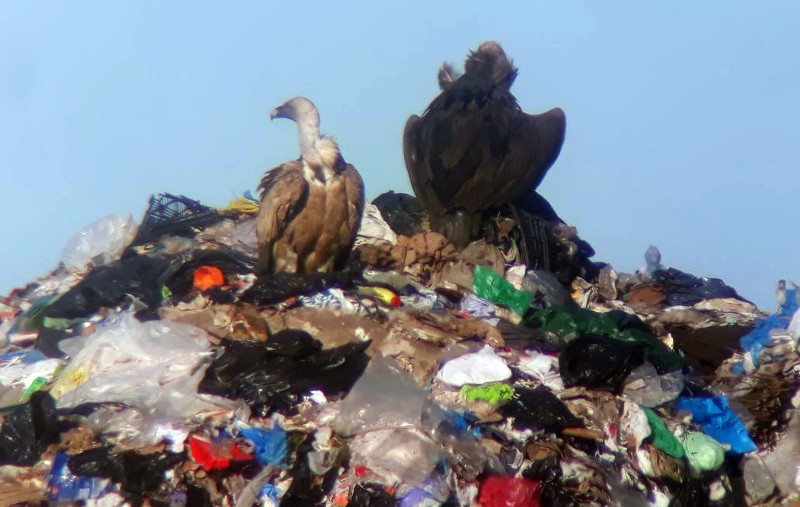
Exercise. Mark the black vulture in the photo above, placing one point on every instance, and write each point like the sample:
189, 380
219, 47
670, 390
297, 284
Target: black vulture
474, 149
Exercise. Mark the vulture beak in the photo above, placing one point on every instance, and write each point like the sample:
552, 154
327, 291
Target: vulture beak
283, 111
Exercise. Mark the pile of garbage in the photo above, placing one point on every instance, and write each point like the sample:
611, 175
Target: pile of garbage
155, 366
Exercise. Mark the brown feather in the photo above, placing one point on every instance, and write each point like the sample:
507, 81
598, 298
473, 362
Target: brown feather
310, 208
284, 193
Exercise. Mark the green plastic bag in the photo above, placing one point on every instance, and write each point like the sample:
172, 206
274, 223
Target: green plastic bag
662, 436
496, 394
703, 452
570, 323
494, 288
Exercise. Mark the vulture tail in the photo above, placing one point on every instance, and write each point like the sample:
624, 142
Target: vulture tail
458, 226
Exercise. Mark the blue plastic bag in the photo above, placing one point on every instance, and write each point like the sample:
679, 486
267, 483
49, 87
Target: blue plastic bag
719, 422
271, 446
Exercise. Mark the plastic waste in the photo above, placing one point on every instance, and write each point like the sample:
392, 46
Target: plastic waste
382, 398
647, 388
571, 323
135, 473
493, 287
99, 243
703, 452
662, 437
217, 454
271, 446
271, 375
496, 394
64, 486
208, 277
385, 398
758, 480
28, 430
543, 368
539, 409
719, 422
110, 285
479, 367
478, 308
396, 455
160, 358
371, 495
23, 373
274, 288
175, 215
383, 295
633, 425
419, 498
547, 290
598, 362
403, 212
509, 492
374, 229
517, 336
309, 486
685, 289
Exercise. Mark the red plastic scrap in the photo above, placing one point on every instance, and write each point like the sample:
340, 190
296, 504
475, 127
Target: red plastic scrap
216, 455
208, 277
499, 491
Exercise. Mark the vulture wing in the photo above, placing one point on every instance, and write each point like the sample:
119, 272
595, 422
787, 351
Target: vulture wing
419, 171
455, 152
354, 188
534, 142
283, 195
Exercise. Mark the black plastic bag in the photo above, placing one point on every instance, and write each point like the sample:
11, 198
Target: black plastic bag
138, 474
371, 495
142, 277
28, 430
403, 212
110, 285
274, 288
598, 362
270, 375
306, 489
524, 337
179, 275
686, 290
539, 409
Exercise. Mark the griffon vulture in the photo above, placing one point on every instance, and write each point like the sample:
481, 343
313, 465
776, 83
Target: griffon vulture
474, 149
310, 207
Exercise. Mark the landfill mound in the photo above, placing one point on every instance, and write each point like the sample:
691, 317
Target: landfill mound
155, 366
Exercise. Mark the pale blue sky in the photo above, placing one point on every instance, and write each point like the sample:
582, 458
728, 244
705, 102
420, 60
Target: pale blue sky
682, 116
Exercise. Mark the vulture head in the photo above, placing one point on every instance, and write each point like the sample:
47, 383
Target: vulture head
296, 109
473, 149
490, 60
320, 152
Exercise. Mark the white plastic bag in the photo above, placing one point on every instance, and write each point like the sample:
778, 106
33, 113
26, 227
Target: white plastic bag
152, 367
100, 242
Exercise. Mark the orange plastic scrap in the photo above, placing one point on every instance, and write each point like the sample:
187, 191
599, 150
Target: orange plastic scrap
208, 277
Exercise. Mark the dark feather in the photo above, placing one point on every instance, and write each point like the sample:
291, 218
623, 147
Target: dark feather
474, 149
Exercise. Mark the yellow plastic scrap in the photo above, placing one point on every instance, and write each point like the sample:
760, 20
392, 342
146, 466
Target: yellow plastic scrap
383, 295
242, 205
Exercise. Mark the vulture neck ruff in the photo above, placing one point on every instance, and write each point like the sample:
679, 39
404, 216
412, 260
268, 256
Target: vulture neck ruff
320, 154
